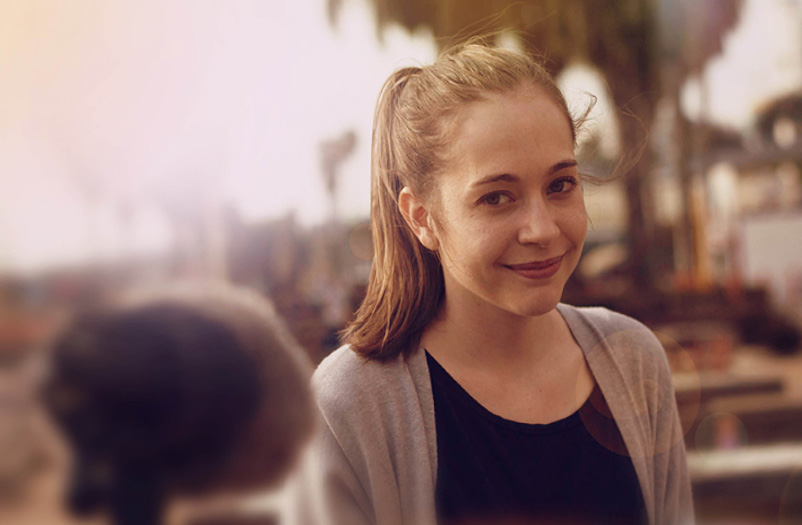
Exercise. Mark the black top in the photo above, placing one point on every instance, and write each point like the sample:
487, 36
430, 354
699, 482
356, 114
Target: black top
493, 470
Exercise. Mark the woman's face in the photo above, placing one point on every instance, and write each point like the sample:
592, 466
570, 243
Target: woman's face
511, 216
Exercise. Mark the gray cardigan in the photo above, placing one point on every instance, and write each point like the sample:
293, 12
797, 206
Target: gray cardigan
374, 459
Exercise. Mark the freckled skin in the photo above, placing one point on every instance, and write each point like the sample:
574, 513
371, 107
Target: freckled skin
534, 214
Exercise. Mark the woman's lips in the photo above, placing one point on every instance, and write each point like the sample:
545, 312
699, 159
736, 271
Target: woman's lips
537, 269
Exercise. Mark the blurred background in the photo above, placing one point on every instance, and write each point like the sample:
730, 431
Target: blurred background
146, 142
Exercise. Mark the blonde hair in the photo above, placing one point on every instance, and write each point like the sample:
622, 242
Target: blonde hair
412, 125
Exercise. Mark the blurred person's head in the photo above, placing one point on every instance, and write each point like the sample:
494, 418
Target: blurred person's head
418, 120
183, 393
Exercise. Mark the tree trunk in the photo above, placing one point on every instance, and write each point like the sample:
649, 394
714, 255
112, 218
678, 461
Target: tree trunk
633, 96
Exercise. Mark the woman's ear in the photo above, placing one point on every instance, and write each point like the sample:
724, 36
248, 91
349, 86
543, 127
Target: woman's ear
418, 218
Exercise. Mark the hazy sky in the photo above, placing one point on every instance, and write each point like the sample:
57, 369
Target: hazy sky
107, 102
128, 99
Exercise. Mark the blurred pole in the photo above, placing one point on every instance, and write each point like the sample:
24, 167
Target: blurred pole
333, 153
214, 246
672, 75
195, 211
677, 167
703, 272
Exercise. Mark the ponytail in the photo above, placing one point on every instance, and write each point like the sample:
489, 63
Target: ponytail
406, 281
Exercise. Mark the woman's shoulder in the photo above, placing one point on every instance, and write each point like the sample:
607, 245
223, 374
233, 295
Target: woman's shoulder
604, 320
337, 368
345, 380
626, 340
345, 367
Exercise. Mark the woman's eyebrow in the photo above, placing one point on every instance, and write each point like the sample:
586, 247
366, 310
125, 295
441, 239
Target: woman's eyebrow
506, 177
568, 163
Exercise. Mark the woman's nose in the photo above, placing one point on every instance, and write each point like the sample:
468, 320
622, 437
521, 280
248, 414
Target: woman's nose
539, 225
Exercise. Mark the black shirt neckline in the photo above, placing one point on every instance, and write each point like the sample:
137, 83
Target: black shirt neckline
463, 397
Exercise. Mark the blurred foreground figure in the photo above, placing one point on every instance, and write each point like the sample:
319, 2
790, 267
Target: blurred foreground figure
185, 393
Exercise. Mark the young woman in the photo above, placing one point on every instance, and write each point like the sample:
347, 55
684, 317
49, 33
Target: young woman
466, 391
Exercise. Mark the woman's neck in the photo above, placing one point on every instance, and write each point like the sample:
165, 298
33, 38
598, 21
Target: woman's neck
493, 339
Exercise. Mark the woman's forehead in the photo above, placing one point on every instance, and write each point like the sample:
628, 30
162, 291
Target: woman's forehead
524, 119
528, 98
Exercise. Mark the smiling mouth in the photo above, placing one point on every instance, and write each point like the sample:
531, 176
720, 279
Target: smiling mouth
537, 269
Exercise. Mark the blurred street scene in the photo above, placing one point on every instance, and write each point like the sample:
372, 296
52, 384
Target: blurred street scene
146, 143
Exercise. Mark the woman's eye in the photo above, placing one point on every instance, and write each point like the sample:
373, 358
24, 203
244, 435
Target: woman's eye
495, 198
562, 185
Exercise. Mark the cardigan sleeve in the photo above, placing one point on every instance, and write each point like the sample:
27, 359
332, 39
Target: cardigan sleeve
672, 480
673, 503
326, 490
329, 489
373, 457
